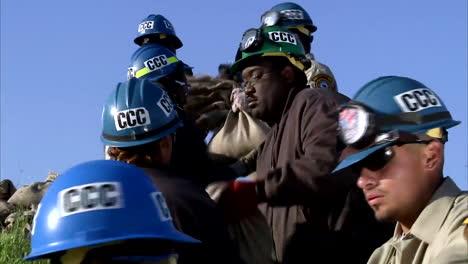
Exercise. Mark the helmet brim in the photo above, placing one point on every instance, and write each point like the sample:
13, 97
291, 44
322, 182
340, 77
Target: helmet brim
312, 28
241, 64
173, 236
176, 42
357, 157
244, 62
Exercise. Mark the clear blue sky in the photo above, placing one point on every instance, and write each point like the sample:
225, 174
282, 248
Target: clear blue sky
61, 59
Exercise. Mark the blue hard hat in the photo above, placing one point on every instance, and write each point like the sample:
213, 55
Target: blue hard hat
98, 202
138, 112
153, 62
293, 15
414, 108
158, 29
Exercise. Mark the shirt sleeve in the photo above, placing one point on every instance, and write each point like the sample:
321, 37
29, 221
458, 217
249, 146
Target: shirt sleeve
307, 177
454, 247
320, 76
456, 251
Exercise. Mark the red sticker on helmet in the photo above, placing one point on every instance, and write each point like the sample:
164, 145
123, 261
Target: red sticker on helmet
353, 123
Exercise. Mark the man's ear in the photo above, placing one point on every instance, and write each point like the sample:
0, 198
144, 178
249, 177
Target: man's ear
434, 155
288, 74
165, 146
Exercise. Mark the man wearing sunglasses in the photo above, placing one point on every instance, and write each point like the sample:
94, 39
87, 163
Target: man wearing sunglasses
293, 17
396, 127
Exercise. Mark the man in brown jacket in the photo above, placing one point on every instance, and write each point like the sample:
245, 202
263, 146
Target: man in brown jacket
301, 200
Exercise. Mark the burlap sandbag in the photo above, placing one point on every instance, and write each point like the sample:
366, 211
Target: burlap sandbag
239, 135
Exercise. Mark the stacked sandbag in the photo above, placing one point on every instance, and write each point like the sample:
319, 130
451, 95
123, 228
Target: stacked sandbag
25, 216
209, 101
21, 204
7, 189
5, 210
28, 195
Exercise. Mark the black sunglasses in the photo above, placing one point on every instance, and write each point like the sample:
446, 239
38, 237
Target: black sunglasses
379, 159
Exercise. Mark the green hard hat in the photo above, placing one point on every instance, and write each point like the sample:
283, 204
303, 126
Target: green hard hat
270, 41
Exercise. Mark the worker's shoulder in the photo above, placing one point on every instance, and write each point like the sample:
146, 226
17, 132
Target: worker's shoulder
458, 215
320, 96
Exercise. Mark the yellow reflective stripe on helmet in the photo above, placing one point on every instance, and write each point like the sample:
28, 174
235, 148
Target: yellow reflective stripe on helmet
77, 255
142, 72
172, 59
162, 36
435, 132
145, 70
291, 59
74, 256
302, 29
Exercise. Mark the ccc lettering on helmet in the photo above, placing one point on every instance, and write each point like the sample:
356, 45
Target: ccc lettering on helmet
131, 118
165, 104
292, 14
417, 100
156, 62
145, 25
280, 36
161, 204
90, 197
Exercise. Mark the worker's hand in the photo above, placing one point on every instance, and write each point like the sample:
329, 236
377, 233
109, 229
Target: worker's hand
216, 189
238, 100
236, 199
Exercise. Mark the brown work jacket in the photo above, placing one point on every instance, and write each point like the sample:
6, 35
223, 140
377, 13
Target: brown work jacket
304, 203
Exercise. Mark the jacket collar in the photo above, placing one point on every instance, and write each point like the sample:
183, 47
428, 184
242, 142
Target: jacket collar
291, 95
433, 215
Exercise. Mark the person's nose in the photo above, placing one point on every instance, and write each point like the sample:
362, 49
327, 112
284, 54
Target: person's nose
367, 179
248, 88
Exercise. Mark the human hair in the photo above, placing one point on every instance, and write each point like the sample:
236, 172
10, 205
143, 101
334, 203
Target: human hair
442, 159
148, 155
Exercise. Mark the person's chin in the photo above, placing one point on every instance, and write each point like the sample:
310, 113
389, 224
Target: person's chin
382, 214
257, 113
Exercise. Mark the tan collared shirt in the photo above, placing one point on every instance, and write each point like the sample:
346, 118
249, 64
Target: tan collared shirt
437, 236
319, 75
